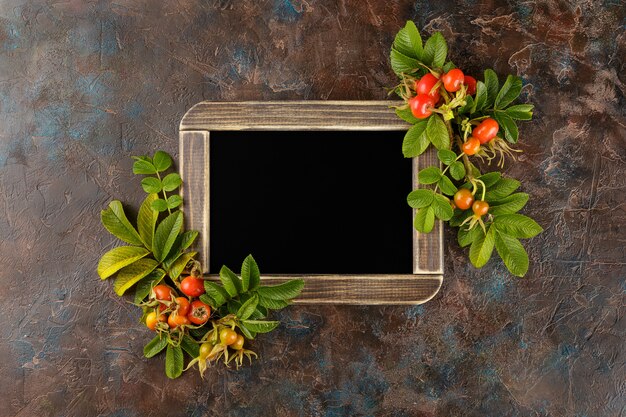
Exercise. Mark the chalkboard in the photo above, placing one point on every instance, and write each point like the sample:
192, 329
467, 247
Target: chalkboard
311, 202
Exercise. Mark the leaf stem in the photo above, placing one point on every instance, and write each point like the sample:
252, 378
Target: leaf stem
164, 195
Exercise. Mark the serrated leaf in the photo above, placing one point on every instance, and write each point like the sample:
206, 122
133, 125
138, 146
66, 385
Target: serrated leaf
517, 225
143, 167
511, 133
435, 51
216, 292
508, 205
190, 346
206, 299
250, 274
183, 241
429, 175
161, 161
151, 185
408, 41
118, 258
424, 220
490, 178
520, 112
272, 304
247, 308
512, 253
171, 182
156, 345
493, 85
146, 220
174, 201
468, 106
457, 170
260, 326
402, 64
448, 66
446, 156
146, 284
503, 188
174, 361
420, 198
159, 205
131, 274
115, 221
245, 332
142, 158
437, 132
459, 217
481, 248
481, 97
233, 306
509, 92
467, 237
179, 265
442, 208
406, 115
166, 234
446, 186
415, 140
285, 291
230, 281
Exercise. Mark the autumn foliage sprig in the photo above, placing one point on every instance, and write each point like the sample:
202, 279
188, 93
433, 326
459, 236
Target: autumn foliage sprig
209, 320
465, 119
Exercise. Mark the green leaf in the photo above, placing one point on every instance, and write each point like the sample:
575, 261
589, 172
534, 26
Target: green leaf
246, 333
260, 326
492, 84
161, 161
272, 304
503, 188
442, 208
174, 361
250, 274
183, 241
206, 299
131, 274
142, 158
508, 205
513, 254
446, 156
517, 225
406, 115
468, 106
247, 308
437, 132
190, 346
429, 175
115, 221
166, 234
233, 306
174, 201
509, 92
420, 198
146, 220
179, 265
459, 217
151, 185
457, 170
415, 140
285, 291
490, 178
448, 66
467, 237
481, 97
146, 284
509, 126
230, 281
520, 112
216, 292
154, 346
159, 205
424, 220
408, 41
435, 51
171, 182
118, 258
446, 186
144, 167
481, 249
402, 64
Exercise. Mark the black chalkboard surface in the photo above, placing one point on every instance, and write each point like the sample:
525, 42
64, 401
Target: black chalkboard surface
310, 202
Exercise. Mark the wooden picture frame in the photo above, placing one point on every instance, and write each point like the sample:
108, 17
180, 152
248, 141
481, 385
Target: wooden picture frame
204, 117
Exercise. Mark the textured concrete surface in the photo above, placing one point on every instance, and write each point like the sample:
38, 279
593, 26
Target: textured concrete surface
84, 85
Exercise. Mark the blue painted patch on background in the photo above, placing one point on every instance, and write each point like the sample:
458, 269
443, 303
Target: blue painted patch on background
285, 11
25, 351
12, 37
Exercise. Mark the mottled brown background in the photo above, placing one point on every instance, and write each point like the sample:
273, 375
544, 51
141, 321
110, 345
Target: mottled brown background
86, 84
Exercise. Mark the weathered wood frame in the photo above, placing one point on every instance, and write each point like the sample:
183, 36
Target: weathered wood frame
204, 117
